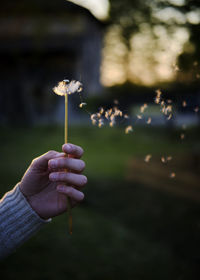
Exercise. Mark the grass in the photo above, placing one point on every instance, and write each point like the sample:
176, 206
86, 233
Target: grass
123, 229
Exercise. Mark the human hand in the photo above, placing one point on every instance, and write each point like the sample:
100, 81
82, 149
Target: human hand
50, 178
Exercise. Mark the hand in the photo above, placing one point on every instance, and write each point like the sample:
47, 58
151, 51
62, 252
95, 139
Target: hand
47, 182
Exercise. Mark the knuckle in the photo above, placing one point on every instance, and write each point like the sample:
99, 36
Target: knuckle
51, 152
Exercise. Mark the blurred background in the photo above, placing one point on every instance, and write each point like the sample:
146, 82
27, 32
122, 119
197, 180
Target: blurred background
141, 215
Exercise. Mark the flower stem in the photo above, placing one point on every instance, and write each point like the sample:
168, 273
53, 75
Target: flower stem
66, 140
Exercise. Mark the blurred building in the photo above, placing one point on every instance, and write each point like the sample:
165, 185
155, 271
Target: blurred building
43, 42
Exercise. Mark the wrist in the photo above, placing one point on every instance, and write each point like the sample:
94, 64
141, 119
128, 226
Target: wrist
33, 204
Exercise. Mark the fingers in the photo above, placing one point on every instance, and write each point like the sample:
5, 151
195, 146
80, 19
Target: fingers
71, 192
73, 150
68, 178
42, 161
75, 165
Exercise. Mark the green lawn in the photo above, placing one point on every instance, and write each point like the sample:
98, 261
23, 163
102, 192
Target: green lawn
123, 229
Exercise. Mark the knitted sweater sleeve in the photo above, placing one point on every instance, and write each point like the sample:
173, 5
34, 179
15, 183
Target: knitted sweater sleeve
18, 221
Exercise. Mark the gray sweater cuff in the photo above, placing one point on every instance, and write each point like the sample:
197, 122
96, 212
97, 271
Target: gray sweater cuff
18, 221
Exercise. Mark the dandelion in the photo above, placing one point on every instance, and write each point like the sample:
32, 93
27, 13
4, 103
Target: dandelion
66, 87
128, 129
149, 120
81, 105
147, 158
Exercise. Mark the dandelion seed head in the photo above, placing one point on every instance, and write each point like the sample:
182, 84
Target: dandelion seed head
66, 87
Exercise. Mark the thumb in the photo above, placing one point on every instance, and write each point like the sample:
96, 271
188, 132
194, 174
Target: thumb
42, 161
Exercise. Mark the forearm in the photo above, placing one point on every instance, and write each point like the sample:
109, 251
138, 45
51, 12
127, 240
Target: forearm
18, 221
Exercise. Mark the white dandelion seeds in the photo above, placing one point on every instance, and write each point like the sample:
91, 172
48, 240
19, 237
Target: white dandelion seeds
149, 120
139, 117
128, 129
172, 175
66, 87
82, 104
147, 158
